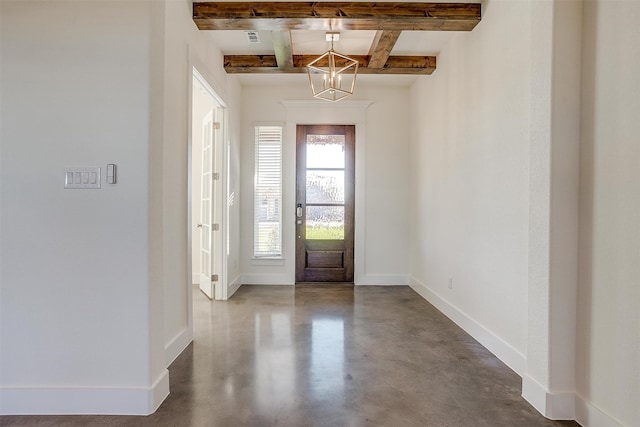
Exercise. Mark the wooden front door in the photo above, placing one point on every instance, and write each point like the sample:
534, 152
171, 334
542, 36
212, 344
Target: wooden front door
325, 203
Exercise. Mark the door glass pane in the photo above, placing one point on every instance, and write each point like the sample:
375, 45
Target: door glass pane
206, 186
206, 219
206, 237
325, 186
206, 164
204, 262
325, 223
325, 151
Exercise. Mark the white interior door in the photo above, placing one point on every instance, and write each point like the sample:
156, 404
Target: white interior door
207, 223
209, 201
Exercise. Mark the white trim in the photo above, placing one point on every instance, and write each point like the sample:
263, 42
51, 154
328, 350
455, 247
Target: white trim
496, 345
534, 393
266, 279
225, 208
233, 286
159, 391
221, 202
383, 280
195, 276
267, 261
177, 345
555, 406
295, 104
260, 123
208, 79
84, 400
589, 415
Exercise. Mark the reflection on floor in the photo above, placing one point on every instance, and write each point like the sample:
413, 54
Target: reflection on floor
333, 356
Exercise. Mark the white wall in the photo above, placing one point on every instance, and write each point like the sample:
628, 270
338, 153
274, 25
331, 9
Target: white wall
79, 330
608, 345
185, 47
383, 245
494, 160
96, 284
556, 32
469, 172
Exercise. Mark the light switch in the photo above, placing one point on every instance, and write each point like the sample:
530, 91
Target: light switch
82, 178
111, 173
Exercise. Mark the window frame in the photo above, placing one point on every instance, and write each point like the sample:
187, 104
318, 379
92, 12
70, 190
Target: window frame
267, 190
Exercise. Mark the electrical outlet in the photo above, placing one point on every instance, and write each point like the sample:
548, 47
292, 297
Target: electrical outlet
450, 285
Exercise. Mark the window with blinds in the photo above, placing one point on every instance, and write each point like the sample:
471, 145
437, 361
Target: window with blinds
267, 214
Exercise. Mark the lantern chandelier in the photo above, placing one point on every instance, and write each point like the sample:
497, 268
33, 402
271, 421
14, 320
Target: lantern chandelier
332, 76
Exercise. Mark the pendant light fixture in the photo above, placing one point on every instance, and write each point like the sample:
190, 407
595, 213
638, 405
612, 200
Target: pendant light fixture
332, 76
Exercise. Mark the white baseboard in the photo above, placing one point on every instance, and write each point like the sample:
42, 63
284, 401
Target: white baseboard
266, 279
501, 349
233, 286
160, 391
382, 280
589, 415
367, 280
177, 345
555, 406
84, 400
195, 278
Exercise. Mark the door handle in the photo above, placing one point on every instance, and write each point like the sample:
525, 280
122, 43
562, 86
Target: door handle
199, 225
299, 210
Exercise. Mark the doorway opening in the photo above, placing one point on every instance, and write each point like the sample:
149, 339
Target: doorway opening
207, 197
325, 201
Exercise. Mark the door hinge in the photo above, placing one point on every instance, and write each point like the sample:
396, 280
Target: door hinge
215, 176
216, 125
215, 227
214, 278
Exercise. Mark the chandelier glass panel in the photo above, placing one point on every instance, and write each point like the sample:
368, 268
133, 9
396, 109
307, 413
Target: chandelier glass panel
332, 75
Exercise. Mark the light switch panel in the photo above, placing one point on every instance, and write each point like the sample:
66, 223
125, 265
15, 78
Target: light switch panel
82, 178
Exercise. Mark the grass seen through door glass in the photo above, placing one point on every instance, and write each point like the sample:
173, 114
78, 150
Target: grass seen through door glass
324, 232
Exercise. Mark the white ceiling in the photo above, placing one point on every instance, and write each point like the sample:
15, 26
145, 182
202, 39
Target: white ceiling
234, 42
418, 43
277, 79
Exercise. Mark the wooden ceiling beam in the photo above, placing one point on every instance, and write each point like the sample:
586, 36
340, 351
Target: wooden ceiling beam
267, 64
282, 47
381, 47
336, 16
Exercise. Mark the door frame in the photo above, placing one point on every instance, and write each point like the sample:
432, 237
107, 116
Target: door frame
220, 206
315, 112
347, 272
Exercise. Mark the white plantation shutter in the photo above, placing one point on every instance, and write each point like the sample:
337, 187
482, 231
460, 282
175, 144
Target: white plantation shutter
267, 213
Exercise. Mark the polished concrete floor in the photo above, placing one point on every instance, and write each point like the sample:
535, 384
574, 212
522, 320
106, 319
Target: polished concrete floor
333, 356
